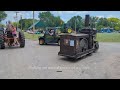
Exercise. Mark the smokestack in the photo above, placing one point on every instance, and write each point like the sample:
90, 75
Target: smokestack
87, 20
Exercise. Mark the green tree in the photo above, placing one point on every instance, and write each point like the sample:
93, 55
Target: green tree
26, 23
113, 22
58, 21
103, 21
2, 25
16, 23
78, 20
99, 27
117, 28
113, 19
93, 21
3, 15
50, 20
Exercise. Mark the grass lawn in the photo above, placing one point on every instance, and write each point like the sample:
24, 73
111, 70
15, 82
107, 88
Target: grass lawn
101, 37
108, 37
31, 36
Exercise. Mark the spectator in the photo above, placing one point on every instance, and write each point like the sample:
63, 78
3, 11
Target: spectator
9, 26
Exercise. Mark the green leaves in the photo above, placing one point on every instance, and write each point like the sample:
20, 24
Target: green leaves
112, 19
50, 20
117, 27
26, 23
94, 21
3, 15
16, 23
77, 20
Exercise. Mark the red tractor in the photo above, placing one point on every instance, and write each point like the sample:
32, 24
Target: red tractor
7, 37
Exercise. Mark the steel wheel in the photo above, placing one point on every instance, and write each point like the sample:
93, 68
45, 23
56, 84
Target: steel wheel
41, 41
83, 45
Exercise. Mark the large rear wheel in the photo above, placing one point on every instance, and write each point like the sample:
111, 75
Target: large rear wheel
2, 44
21, 39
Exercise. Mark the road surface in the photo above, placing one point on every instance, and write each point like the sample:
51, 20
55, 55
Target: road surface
42, 62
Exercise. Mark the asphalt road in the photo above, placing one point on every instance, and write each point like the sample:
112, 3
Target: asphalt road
42, 62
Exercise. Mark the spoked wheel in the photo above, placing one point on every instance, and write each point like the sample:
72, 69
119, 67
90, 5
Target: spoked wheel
83, 45
41, 41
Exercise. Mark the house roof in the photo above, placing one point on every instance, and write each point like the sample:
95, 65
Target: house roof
37, 24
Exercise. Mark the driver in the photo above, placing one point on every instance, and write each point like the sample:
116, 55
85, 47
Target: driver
12, 29
51, 32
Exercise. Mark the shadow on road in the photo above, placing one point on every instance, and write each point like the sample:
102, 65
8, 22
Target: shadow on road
73, 60
13, 47
50, 45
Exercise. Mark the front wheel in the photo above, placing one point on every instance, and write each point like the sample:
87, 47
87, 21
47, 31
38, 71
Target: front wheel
96, 46
2, 44
41, 42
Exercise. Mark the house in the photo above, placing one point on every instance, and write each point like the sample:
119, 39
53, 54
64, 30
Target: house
38, 25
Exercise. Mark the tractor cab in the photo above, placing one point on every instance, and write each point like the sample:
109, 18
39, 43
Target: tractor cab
51, 35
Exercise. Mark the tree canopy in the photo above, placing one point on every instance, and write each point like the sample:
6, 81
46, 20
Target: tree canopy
3, 15
50, 20
78, 20
26, 23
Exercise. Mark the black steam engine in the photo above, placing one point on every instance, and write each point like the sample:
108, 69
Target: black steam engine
77, 45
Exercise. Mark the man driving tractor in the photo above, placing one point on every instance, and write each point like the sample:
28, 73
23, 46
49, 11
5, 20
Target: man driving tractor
11, 37
12, 29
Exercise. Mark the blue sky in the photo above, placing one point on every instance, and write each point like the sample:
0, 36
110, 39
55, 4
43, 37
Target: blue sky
65, 15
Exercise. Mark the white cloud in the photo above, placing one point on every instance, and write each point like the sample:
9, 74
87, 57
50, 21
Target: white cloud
75, 12
69, 12
101, 16
109, 16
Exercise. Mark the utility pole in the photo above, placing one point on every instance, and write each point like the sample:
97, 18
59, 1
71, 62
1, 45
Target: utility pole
76, 20
21, 22
33, 24
6, 24
16, 20
33, 21
75, 26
